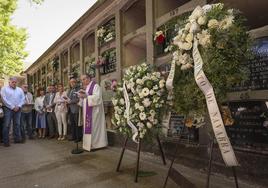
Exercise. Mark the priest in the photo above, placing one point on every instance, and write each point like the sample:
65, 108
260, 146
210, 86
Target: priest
94, 130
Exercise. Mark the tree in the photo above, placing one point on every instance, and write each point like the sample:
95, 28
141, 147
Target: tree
12, 40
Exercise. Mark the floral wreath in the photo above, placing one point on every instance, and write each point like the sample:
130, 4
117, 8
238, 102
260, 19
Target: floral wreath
139, 102
224, 45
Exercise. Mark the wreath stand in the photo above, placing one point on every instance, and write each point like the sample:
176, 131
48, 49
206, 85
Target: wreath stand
138, 155
183, 182
212, 145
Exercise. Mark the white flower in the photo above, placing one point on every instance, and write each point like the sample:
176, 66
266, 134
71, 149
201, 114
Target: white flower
186, 46
187, 27
185, 61
139, 81
151, 118
230, 11
100, 32
117, 117
114, 101
226, 22
198, 11
145, 92
136, 105
202, 20
122, 101
141, 108
204, 38
189, 38
218, 5
186, 66
142, 116
141, 95
146, 102
149, 125
155, 87
161, 83
152, 112
194, 28
206, 8
213, 23
140, 124
130, 85
152, 92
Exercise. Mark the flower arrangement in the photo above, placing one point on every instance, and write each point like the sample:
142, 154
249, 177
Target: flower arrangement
147, 100
106, 32
90, 66
159, 37
224, 45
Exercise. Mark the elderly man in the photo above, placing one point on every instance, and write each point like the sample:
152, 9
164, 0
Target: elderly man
26, 114
13, 98
50, 114
95, 135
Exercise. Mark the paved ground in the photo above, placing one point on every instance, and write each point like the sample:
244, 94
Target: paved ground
49, 164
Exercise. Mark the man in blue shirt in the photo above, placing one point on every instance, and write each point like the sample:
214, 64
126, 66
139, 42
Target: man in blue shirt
13, 98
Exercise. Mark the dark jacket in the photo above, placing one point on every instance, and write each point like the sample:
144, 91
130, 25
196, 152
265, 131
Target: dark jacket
73, 104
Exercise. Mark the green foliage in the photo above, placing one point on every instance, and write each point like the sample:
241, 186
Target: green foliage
223, 60
12, 40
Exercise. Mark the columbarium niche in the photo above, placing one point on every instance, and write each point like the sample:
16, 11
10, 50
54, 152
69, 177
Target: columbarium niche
133, 16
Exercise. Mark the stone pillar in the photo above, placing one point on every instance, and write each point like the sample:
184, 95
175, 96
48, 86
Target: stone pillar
60, 68
82, 66
97, 53
69, 60
149, 30
118, 30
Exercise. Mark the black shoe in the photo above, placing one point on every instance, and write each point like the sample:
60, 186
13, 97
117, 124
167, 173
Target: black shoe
6, 145
18, 142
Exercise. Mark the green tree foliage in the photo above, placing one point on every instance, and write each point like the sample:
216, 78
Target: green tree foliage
12, 40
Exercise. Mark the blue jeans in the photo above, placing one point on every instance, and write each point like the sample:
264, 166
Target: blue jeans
15, 116
26, 124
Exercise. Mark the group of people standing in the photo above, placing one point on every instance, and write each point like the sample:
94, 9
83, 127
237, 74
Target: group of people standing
82, 108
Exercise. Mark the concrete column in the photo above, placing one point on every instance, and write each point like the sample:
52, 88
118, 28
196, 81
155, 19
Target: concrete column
69, 60
60, 68
82, 65
97, 53
118, 30
149, 30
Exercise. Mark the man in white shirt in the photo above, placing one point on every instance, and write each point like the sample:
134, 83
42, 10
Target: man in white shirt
13, 98
26, 114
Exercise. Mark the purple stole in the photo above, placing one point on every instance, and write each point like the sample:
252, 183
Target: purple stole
89, 110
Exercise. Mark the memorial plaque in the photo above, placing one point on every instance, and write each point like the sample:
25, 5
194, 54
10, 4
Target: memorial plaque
177, 122
249, 128
258, 68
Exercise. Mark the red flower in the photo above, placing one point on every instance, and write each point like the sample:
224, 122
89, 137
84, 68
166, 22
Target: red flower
160, 39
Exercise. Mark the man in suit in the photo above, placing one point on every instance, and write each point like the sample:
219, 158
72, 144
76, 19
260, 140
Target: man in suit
74, 110
50, 114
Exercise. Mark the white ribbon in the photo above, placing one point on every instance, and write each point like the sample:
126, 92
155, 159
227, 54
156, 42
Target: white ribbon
213, 109
169, 82
132, 126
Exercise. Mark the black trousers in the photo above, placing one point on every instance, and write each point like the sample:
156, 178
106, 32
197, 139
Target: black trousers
76, 131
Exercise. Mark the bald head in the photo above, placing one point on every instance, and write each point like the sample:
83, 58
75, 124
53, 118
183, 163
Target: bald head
85, 79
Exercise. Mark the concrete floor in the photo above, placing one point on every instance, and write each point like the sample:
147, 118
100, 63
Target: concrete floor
49, 164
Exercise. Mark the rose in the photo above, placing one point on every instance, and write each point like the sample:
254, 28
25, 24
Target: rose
202, 20
161, 83
189, 38
213, 23
160, 39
